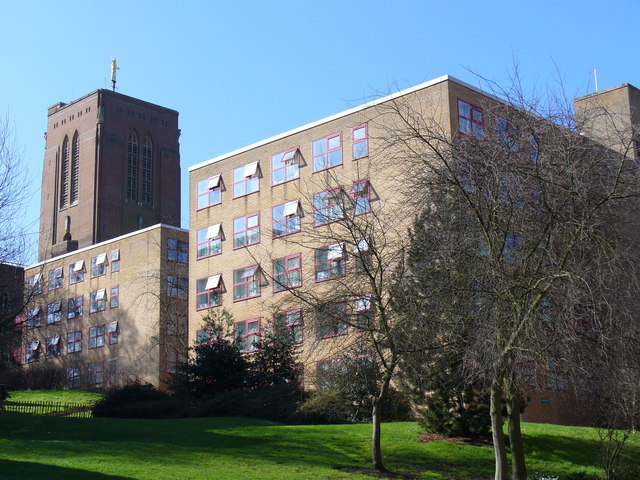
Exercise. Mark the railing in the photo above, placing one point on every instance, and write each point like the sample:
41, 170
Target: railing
50, 409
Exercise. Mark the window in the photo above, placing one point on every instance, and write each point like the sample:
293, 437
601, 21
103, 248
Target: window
246, 230
327, 152
288, 326
114, 299
177, 251
173, 360
98, 265
76, 272
246, 179
326, 370
147, 172
209, 192
285, 166
359, 142
95, 374
327, 207
361, 192
96, 336
329, 262
286, 218
74, 341
35, 284
55, 278
364, 312
53, 347
507, 135
209, 241
97, 301
64, 174
34, 317
54, 312
363, 255
113, 331
247, 334
207, 336
287, 272
208, 291
177, 287
75, 168
470, 119
177, 325
246, 283
32, 353
73, 378
132, 168
115, 261
74, 307
331, 320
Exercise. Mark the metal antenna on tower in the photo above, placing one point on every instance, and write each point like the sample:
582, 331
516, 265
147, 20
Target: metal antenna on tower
114, 68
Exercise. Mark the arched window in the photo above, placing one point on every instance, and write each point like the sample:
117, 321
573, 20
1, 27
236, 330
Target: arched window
64, 174
132, 168
75, 168
147, 171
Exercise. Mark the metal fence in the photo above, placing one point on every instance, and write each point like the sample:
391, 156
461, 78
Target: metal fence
51, 409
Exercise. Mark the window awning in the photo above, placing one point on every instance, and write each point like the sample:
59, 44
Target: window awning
53, 340
291, 208
115, 255
290, 155
101, 294
113, 327
33, 345
37, 277
33, 312
249, 272
213, 282
100, 259
214, 231
79, 265
250, 169
214, 182
335, 251
361, 246
55, 307
57, 272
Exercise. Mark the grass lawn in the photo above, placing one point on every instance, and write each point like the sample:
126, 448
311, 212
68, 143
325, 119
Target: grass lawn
237, 448
62, 396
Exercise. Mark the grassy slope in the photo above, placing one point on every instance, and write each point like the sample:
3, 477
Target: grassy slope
221, 448
64, 396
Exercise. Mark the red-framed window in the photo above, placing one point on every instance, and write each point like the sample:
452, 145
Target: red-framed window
360, 141
331, 320
327, 152
54, 312
55, 278
470, 119
74, 341
286, 218
32, 352
209, 291
114, 298
115, 260
246, 179
53, 347
114, 332
74, 380
247, 334
287, 272
177, 251
16, 355
35, 284
74, 307
328, 206
34, 317
289, 326
96, 336
177, 287
285, 166
207, 336
96, 374
76, 272
364, 310
246, 230
246, 283
361, 192
209, 241
325, 369
98, 300
98, 265
362, 254
209, 192
330, 262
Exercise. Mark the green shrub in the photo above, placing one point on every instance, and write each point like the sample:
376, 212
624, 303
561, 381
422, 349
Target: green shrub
325, 407
137, 401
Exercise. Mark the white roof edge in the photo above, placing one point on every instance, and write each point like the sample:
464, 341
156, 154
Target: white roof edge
336, 116
107, 242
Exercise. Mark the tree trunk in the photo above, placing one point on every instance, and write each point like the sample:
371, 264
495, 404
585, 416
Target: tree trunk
376, 451
518, 465
497, 433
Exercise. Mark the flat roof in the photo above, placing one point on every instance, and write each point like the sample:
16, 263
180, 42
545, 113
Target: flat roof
378, 101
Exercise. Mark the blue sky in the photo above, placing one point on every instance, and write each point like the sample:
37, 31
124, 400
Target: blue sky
242, 71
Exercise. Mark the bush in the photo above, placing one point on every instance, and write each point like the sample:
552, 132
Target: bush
326, 407
137, 401
36, 377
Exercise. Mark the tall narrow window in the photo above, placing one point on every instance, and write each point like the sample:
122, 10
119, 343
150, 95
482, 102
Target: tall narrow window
75, 168
64, 174
147, 171
132, 168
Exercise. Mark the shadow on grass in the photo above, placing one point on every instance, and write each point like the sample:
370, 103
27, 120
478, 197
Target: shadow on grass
10, 470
